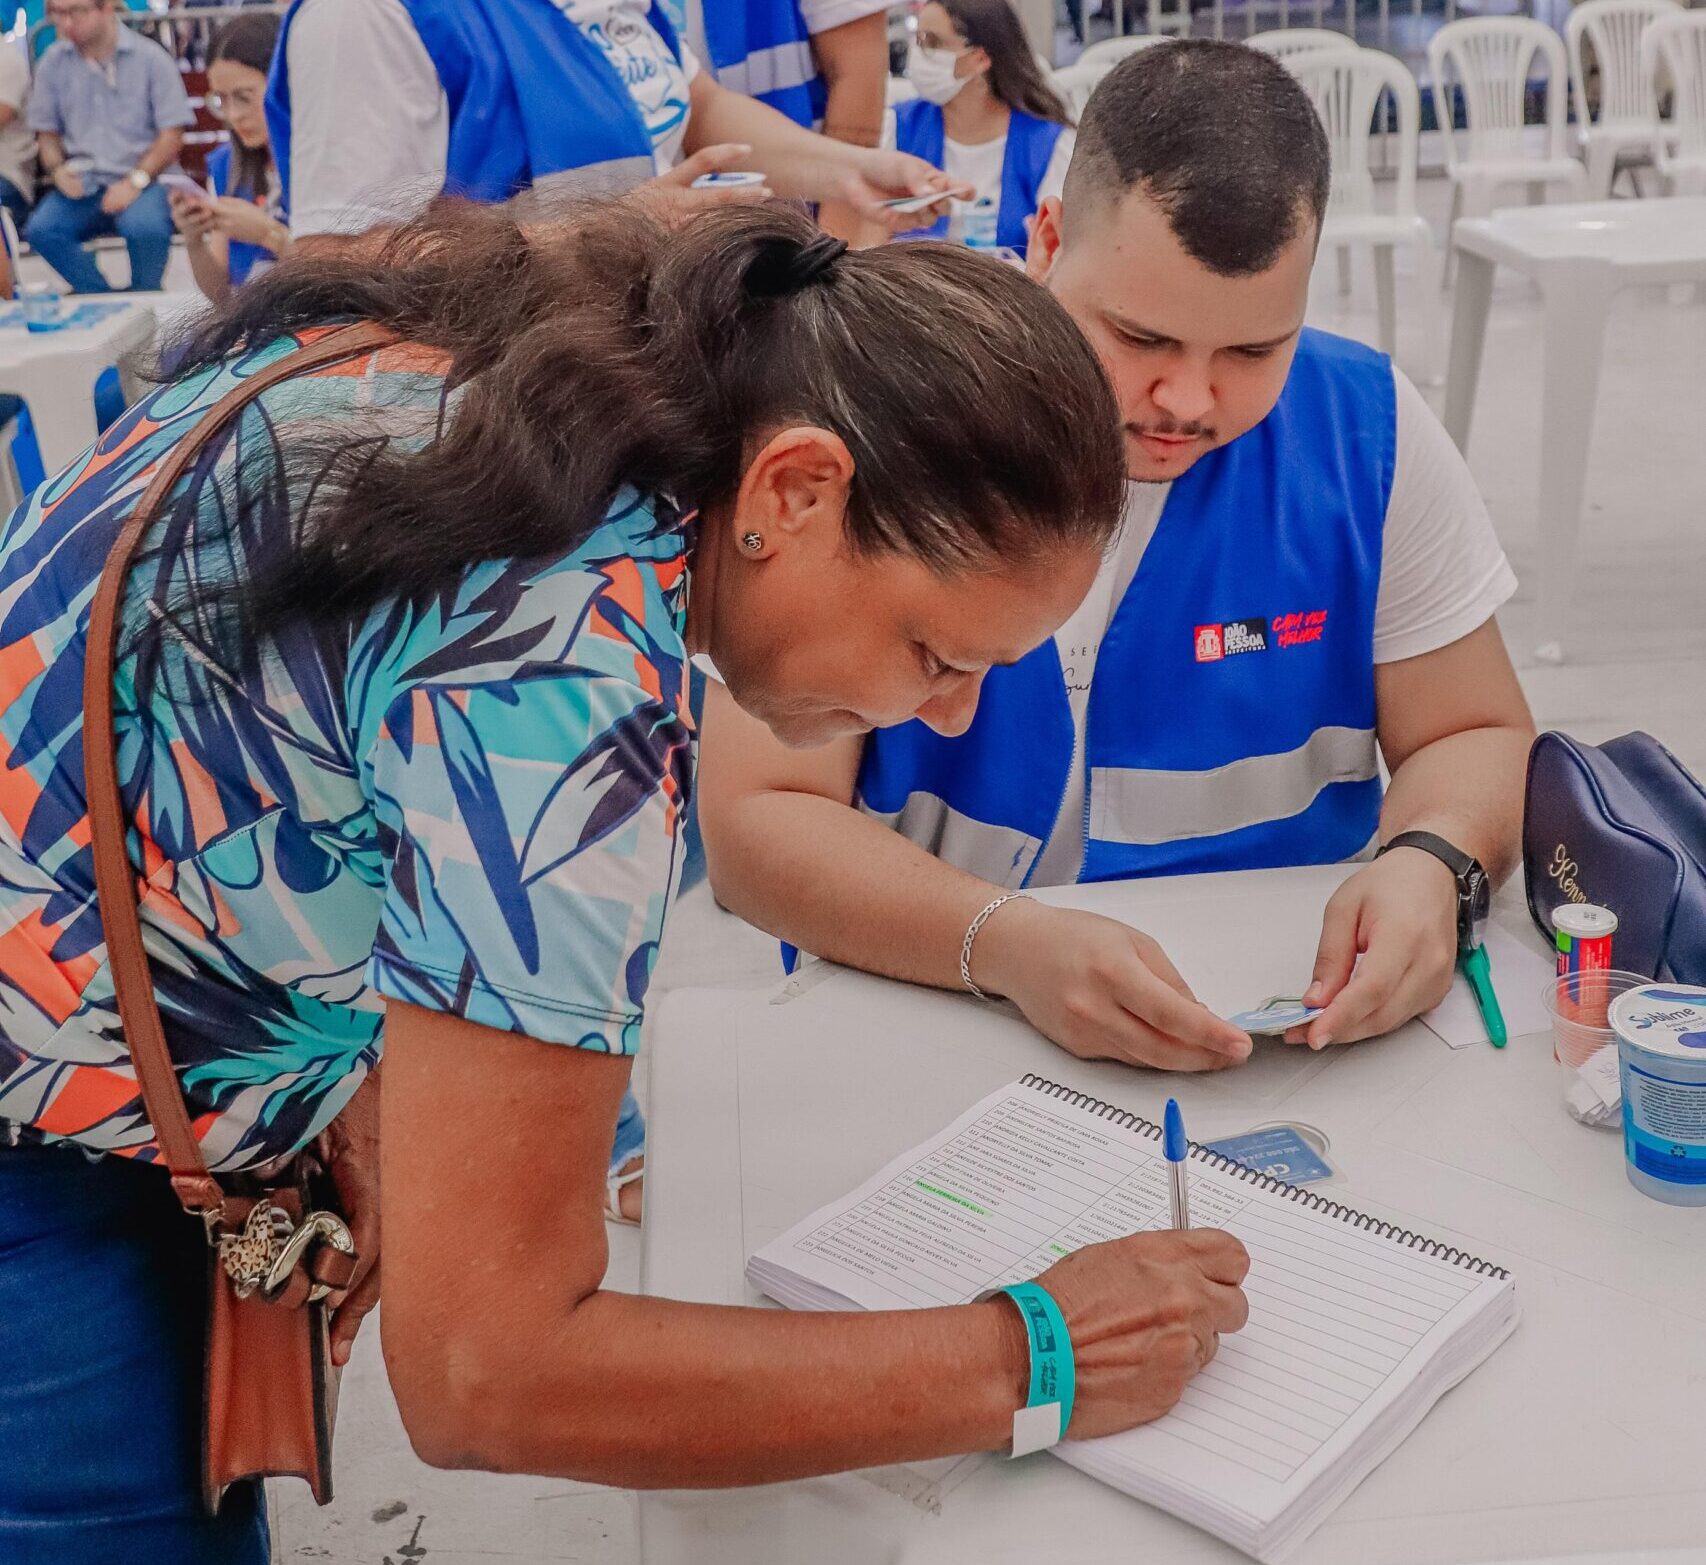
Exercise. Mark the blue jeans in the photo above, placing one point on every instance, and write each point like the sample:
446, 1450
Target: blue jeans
16, 202
59, 226
103, 1300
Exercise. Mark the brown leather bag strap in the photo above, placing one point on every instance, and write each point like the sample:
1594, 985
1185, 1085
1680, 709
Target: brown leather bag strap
115, 877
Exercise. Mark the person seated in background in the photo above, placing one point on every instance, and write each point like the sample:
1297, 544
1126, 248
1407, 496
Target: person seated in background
984, 114
376, 107
1304, 584
240, 229
17, 145
109, 109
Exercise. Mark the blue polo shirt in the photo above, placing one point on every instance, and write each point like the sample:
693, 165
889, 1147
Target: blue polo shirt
109, 112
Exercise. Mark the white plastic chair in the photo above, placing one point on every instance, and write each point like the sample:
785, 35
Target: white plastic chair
1285, 42
1110, 51
1490, 60
1626, 120
1346, 86
1074, 83
1677, 45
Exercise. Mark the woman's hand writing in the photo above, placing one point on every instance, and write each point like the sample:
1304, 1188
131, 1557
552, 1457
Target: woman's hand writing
1145, 1314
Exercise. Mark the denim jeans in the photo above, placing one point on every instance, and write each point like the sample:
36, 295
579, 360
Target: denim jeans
103, 1284
59, 226
16, 202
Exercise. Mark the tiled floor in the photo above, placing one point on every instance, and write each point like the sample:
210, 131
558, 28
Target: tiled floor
1639, 647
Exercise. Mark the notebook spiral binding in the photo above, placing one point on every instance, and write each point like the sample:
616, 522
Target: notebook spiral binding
1250, 1176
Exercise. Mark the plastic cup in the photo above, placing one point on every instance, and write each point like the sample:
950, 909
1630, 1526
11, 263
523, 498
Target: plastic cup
1579, 1004
43, 306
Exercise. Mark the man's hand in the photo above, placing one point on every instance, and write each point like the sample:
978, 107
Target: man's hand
1400, 915
67, 183
1100, 989
349, 1147
117, 196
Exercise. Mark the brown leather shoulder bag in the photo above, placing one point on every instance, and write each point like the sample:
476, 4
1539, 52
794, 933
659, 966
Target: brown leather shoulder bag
270, 1391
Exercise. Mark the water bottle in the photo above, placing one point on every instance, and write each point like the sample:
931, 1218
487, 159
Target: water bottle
977, 224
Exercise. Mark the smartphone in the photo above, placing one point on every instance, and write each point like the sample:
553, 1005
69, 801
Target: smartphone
185, 186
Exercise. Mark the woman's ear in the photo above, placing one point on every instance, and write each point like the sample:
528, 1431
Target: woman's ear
978, 62
793, 494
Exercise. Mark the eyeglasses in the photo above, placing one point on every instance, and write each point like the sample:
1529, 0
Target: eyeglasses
243, 99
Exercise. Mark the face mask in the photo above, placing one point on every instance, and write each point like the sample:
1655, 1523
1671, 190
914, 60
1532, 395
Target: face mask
931, 72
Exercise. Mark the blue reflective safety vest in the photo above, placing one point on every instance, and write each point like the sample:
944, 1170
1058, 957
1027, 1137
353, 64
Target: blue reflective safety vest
1231, 716
1030, 145
763, 48
530, 96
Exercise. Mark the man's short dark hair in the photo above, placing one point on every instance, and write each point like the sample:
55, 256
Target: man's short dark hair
1220, 136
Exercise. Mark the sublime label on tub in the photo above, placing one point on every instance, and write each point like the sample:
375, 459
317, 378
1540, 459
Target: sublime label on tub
1662, 1032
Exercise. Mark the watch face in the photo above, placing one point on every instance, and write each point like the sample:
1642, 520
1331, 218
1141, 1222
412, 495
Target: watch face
1476, 904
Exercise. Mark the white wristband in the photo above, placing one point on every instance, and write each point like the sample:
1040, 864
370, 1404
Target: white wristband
971, 934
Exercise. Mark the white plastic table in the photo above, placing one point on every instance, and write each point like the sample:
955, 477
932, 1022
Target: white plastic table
55, 372
1580, 255
1580, 1437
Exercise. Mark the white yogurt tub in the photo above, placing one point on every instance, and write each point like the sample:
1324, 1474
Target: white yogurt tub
1661, 1047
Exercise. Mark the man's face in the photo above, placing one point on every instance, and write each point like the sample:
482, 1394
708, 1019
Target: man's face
1196, 359
86, 23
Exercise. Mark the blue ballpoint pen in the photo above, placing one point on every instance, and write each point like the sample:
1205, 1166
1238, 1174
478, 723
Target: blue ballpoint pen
1177, 1148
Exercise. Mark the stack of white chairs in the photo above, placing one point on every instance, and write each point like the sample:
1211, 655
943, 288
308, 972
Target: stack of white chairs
1673, 54
1075, 83
1347, 86
1627, 122
1489, 60
1110, 51
1285, 42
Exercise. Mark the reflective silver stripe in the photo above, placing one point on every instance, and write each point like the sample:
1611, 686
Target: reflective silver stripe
1145, 808
771, 70
997, 853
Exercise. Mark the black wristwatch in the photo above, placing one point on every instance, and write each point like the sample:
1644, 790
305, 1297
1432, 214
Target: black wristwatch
1474, 890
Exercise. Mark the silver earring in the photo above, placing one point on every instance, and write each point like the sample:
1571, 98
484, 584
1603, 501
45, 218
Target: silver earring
753, 541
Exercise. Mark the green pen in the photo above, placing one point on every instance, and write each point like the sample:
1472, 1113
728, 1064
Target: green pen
1478, 971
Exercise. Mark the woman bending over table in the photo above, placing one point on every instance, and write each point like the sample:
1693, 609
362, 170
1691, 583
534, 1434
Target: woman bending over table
401, 707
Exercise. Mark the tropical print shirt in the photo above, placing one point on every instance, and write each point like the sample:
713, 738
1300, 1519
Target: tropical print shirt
472, 805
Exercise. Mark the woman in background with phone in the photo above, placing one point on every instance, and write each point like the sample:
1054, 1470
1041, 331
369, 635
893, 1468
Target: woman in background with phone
985, 114
236, 227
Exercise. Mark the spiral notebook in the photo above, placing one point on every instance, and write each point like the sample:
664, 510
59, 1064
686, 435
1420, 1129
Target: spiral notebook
1357, 1327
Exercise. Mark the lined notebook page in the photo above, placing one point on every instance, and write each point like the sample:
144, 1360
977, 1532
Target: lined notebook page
1341, 1314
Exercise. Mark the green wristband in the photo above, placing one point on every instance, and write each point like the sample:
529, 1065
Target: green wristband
1054, 1376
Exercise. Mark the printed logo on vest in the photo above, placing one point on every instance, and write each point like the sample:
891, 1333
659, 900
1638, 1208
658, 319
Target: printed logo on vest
1215, 642
1296, 630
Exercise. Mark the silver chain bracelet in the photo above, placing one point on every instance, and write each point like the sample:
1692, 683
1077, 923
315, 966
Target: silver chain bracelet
971, 934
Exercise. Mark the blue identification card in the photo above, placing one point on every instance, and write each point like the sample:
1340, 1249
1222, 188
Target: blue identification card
1276, 1150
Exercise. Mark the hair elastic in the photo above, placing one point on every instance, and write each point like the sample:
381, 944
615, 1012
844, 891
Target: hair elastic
780, 268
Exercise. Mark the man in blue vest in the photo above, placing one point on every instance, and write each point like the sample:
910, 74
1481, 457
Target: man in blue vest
1305, 583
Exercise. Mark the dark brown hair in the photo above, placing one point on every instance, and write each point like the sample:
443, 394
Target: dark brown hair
1014, 75
1221, 137
606, 349
250, 41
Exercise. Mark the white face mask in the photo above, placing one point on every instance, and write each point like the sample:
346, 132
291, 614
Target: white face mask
931, 72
